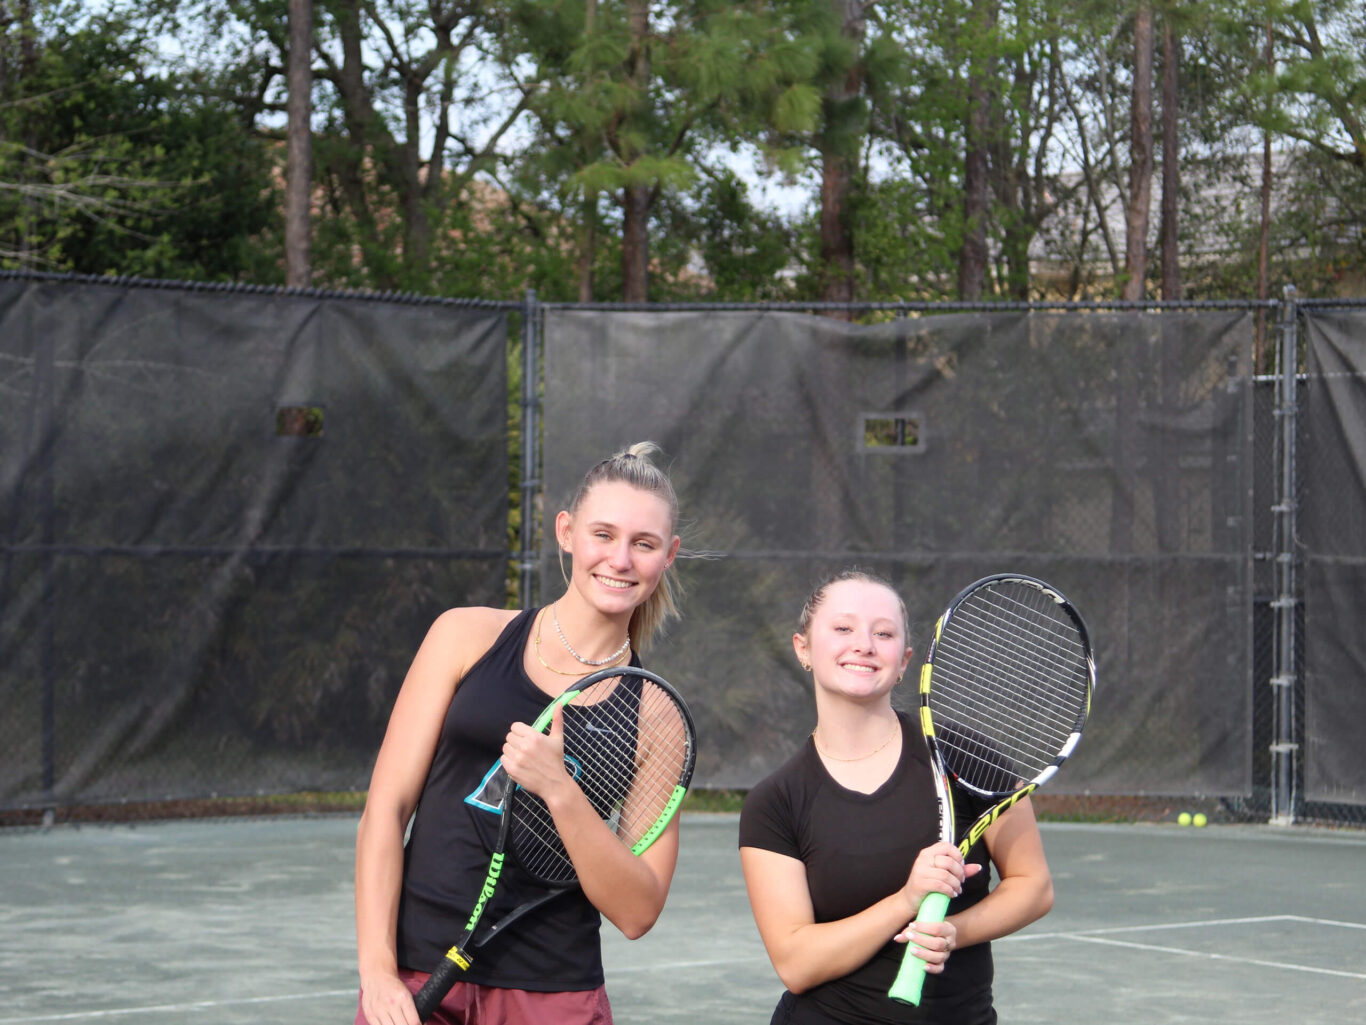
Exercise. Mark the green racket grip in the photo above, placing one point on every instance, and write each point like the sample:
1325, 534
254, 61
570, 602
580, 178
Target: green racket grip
910, 980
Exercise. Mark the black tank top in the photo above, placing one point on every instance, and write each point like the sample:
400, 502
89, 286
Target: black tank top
552, 949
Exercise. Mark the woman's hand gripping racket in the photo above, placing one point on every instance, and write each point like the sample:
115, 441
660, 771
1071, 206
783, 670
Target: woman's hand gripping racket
629, 743
1004, 694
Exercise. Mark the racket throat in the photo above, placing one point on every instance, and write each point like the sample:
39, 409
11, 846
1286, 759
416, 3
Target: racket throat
460, 957
458, 954
982, 824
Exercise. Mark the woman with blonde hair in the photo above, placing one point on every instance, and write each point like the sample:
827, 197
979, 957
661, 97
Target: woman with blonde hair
479, 677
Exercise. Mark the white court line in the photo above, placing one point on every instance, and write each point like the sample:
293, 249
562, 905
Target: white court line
1219, 957
673, 966
1165, 926
1098, 936
197, 1005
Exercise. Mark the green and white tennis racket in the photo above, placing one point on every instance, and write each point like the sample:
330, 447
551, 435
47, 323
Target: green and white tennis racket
630, 744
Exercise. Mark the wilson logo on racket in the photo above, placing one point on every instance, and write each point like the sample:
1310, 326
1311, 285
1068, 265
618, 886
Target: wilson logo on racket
490, 884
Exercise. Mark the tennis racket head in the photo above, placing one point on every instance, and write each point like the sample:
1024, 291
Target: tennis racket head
1006, 686
630, 743
1004, 695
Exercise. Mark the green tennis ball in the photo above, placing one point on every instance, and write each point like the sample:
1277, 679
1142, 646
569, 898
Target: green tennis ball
1199, 818
1184, 818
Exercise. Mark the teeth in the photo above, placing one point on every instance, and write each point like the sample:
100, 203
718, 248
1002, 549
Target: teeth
620, 584
861, 669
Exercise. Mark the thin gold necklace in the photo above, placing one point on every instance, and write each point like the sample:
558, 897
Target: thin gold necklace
896, 732
541, 658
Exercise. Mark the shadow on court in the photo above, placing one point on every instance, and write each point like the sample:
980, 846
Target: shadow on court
250, 921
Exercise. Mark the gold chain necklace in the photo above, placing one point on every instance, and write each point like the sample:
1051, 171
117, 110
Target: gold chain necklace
896, 732
541, 658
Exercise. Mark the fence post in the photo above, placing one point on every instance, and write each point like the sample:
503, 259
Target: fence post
45, 386
528, 557
1285, 606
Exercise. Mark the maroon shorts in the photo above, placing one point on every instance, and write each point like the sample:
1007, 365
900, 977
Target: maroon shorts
471, 1004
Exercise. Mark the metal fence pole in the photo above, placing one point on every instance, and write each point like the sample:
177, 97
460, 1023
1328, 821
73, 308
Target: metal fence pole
44, 367
528, 557
1286, 603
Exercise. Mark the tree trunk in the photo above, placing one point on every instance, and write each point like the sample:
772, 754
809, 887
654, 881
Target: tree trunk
837, 237
1136, 268
417, 226
839, 162
636, 198
972, 260
1264, 224
1164, 471
1171, 166
1141, 159
588, 227
635, 243
352, 163
588, 245
299, 152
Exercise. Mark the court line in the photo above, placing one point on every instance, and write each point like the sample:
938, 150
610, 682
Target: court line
196, 1005
1164, 926
1101, 937
670, 966
1217, 957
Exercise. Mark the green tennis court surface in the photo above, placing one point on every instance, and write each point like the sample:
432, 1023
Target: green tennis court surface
250, 921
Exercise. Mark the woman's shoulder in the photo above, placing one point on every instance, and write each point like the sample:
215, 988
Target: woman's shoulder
478, 617
776, 808
470, 628
783, 782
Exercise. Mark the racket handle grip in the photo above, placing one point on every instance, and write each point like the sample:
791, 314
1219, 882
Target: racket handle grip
910, 980
434, 990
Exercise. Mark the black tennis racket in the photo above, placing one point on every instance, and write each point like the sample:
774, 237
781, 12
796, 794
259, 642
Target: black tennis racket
1004, 694
629, 742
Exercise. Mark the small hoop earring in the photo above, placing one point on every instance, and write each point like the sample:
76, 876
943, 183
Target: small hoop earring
806, 666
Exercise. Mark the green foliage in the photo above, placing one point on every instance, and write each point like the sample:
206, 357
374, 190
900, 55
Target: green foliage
743, 254
485, 148
110, 166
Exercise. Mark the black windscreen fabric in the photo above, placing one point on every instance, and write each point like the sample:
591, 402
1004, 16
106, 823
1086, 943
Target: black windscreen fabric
1333, 533
228, 519
1107, 453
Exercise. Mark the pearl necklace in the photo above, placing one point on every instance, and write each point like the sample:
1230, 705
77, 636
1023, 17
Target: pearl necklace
541, 658
896, 732
596, 663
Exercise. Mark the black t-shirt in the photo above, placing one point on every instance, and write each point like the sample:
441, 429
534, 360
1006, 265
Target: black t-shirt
857, 849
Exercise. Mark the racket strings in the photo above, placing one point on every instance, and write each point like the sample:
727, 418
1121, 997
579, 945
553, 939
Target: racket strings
1009, 687
627, 745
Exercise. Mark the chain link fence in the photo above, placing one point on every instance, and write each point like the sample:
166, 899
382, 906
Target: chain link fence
230, 514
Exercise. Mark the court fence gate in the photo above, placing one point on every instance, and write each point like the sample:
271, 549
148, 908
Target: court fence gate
230, 515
